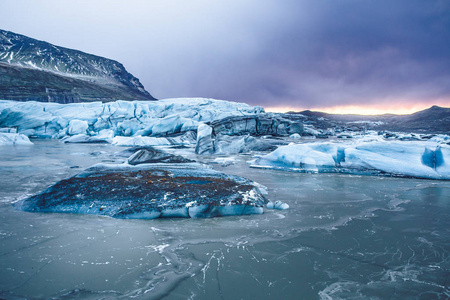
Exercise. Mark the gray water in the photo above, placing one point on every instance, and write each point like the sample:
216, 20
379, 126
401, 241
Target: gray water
344, 237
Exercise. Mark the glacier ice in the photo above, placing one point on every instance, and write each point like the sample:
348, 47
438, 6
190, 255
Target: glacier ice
413, 159
224, 161
186, 139
77, 127
124, 118
277, 205
7, 138
205, 144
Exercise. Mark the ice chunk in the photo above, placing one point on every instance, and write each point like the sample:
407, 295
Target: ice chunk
205, 144
186, 139
77, 127
139, 141
277, 205
224, 161
14, 139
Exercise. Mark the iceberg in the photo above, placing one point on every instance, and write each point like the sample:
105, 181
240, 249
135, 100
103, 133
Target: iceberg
277, 205
409, 159
7, 138
148, 191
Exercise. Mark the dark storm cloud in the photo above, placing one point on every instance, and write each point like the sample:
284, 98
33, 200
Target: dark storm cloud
357, 51
298, 53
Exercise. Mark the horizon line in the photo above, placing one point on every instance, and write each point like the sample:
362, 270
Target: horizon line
357, 109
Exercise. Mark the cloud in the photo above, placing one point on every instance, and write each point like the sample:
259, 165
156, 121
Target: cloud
297, 53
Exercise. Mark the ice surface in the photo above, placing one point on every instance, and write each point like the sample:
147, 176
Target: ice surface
415, 159
14, 139
123, 118
343, 237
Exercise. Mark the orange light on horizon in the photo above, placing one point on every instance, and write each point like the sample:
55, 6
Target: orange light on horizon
359, 109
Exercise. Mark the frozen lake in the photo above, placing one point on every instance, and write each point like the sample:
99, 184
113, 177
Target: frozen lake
344, 237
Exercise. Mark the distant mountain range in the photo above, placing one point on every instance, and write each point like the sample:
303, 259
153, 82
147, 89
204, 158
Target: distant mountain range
432, 120
36, 70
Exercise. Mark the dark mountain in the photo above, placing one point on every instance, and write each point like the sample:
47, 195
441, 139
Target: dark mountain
35, 70
432, 120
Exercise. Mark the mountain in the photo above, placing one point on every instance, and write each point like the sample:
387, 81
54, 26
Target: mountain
435, 119
36, 70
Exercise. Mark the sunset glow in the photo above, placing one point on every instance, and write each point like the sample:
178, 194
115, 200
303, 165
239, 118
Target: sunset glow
362, 110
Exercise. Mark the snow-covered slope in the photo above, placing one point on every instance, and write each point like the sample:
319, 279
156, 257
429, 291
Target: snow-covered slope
36, 70
121, 118
415, 159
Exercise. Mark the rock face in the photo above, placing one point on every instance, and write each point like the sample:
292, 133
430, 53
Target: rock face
238, 134
35, 70
256, 125
149, 191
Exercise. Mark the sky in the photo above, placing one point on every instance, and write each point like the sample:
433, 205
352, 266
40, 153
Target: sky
342, 56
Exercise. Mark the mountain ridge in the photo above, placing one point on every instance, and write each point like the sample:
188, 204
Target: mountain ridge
95, 78
435, 119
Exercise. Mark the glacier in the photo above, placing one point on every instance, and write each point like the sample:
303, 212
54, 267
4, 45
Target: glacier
429, 160
124, 118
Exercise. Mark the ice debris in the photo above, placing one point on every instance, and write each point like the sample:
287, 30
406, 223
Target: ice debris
277, 205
